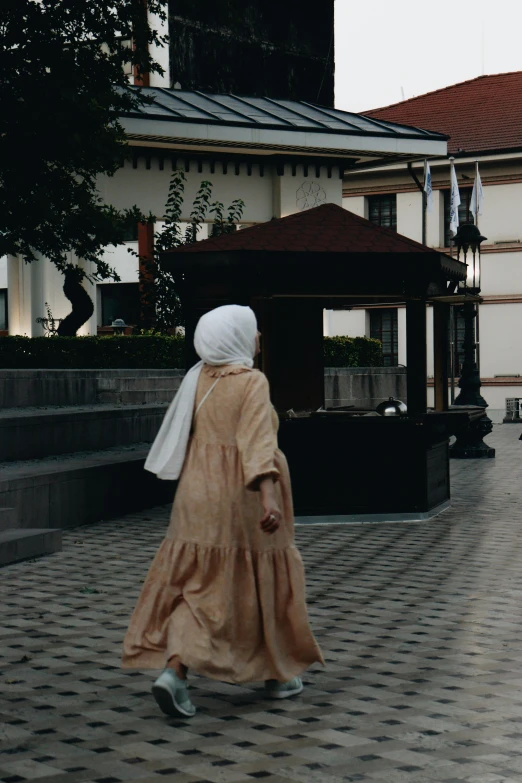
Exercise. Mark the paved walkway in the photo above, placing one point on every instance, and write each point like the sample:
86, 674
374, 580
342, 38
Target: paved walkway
421, 625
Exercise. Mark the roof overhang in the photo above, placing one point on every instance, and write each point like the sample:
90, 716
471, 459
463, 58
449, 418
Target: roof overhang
357, 151
349, 278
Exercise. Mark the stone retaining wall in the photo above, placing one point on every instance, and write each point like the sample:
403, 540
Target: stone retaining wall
358, 386
363, 387
41, 388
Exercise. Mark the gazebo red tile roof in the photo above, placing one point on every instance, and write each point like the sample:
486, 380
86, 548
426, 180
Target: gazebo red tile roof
479, 115
327, 228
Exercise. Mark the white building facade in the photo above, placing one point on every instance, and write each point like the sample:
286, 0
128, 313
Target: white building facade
279, 157
392, 198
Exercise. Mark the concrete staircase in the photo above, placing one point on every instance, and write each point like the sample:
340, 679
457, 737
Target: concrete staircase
37, 433
72, 448
141, 390
43, 388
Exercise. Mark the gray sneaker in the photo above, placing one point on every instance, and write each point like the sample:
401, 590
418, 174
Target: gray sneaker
283, 690
171, 695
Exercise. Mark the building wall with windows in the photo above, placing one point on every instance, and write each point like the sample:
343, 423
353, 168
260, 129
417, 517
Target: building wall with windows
500, 222
254, 47
267, 191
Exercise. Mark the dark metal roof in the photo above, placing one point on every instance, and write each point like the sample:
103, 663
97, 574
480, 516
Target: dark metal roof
324, 251
327, 228
216, 109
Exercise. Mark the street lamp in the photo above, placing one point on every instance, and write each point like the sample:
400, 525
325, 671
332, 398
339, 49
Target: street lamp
469, 442
119, 326
468, 237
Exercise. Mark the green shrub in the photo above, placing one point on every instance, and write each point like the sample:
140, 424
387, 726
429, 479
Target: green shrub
352, 352
85, 353
149, 351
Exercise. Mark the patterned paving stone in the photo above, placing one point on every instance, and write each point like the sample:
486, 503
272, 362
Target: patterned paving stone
421, 625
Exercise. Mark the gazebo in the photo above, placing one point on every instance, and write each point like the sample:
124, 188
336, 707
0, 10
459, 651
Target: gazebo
288, 270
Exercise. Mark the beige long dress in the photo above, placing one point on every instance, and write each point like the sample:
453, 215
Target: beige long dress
223, 596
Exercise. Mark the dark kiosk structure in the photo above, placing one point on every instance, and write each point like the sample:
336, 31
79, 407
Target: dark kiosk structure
288, 270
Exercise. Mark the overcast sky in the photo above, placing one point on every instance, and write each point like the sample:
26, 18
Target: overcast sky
389, 49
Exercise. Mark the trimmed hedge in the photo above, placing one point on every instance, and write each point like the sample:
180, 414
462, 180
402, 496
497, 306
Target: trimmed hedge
149, 351
352, 352
86, 353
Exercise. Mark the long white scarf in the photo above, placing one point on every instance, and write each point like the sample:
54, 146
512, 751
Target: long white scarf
226, 335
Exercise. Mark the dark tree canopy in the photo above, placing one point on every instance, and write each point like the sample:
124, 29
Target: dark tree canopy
62, 90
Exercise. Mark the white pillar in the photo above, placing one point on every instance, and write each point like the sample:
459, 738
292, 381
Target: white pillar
327, 323
37, 273
160, 54
90, 327
19, 296
13, 295
47, 289
30, 287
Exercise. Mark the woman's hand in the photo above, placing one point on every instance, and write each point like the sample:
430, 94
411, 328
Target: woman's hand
271, 520
272, 516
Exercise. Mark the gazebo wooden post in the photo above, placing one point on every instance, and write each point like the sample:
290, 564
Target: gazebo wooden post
292, 351
416, 355
440, 355
146, 272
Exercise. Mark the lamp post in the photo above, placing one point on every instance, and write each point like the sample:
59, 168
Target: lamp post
119, 326
469, 443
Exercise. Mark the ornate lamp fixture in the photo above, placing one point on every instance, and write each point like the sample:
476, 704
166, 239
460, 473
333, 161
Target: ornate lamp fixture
469, 442
468, 237
119, 326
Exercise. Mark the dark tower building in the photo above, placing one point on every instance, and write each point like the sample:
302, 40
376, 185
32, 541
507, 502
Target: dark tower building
275, 48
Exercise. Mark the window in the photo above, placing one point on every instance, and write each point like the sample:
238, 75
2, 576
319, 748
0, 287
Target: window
382, 210
465, 216
383, 327
3, 309
130, 233
120, 300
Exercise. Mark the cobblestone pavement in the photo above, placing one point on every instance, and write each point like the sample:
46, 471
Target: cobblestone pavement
420, 624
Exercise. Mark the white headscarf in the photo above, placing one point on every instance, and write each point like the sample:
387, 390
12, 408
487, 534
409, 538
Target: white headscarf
226, 335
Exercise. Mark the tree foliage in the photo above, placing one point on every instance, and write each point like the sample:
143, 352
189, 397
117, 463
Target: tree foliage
162, 291
62, 90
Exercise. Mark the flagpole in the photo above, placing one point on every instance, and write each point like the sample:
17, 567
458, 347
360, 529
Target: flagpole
477, 319
452, 310
452, 353
424, 204
477, 196
452, 166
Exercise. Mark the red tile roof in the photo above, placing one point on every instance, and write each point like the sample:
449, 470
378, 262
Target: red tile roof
482, 114
324, 229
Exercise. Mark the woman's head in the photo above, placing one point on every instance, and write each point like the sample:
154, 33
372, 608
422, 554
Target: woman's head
227, 335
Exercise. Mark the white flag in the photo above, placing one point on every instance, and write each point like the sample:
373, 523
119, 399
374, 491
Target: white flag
477, 197
454, 202
428, 189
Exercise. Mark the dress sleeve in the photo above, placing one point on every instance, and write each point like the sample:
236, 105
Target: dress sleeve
256, 439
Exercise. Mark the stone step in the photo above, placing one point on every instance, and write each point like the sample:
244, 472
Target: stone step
7, 518
16, 544
139, 383
137, 396
32, 433
77, 489
24, 388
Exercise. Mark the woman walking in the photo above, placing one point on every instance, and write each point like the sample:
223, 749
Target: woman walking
225, 594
